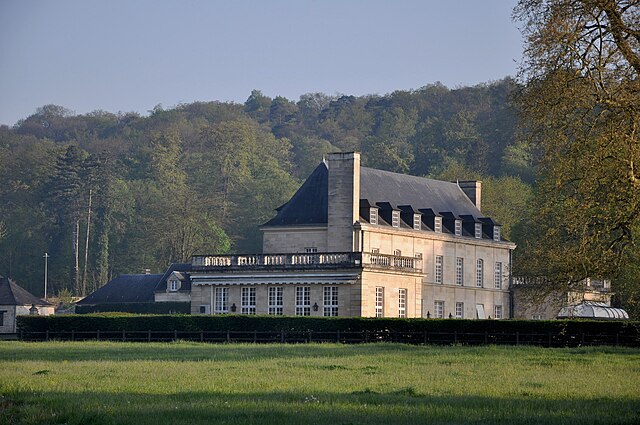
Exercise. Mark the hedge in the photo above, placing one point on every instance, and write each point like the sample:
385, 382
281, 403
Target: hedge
140, 308
561, 330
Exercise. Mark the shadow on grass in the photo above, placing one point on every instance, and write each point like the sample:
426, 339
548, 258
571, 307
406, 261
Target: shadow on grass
359, 407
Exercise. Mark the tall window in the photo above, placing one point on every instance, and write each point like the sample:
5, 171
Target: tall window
373, 215
379, 301
275, 300
438, 273
437, 224
417, 222
221, 300
303, 301
459, 310
459, 271
497, 312
478, 230
458, 227
497, 276
438, 308
330, 300
480, 273
402, 303
248, 300
395, 218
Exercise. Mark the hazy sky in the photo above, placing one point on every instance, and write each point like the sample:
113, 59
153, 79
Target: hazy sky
130, 55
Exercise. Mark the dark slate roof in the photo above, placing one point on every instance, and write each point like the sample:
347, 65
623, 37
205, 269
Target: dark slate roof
418, 192
183, 268
126, 288
308, 206
12, 294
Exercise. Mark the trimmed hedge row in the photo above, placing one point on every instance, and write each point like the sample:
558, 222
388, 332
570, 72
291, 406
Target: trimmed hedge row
560, 329
140, 308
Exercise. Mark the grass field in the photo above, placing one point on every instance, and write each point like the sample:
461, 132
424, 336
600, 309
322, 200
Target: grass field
191, 383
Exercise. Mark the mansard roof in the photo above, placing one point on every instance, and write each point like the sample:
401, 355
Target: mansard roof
12, 294
126, 288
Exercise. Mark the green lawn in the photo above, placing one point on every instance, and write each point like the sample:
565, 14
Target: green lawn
191, 383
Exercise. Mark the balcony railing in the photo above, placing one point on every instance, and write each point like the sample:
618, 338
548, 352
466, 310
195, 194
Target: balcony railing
324, 260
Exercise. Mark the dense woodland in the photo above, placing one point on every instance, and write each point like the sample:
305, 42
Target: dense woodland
106, 194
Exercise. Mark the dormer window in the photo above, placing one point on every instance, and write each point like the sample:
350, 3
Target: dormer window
395, 218
174, 285
437, 224
417, 222
478, 231
496, 233
373, 215
458, 227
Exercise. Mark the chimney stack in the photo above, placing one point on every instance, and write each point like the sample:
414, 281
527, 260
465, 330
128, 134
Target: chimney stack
473, 190
343, 200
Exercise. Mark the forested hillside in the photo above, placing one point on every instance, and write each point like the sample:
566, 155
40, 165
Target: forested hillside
111, 193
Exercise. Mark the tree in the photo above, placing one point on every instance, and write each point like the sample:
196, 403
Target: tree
581, 110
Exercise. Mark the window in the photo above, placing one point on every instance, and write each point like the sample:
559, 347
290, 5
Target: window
303, 301
275, 300
438, 308
221, 301
480, 273
459, 271
173, 285
2, 317
438, 273
437, 224
417, 222
373, 215
536, 317
330, 300
248, 301
459, 310
496, 233
480, 311
395, 218
204, 309
458, 227
497, 278
310, 249
402, 303
379, 301
497, 312
479, 230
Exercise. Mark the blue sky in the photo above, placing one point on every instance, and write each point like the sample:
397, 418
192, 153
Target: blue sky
130, 55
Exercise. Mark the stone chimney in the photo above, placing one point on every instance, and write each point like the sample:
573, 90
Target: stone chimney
473, 190
343, 200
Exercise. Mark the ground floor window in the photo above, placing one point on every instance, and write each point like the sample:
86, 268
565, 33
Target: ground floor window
221, 301
438, 308
2, 317
303, 301
379, 301
275, 301
330, 300
459, 310
402, 303
497, 312
248, 300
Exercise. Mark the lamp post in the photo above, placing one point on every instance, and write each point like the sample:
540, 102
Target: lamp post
46, 257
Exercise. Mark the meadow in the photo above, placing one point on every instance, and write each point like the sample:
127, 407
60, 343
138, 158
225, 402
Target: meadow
194, 383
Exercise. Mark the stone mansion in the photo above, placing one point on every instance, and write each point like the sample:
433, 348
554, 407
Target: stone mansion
356, 241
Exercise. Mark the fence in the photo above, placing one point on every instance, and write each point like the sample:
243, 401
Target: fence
346, 337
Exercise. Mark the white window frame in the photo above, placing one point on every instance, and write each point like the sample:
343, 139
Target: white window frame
276, 304
497, 311
402, 302
373, 216
497, 275
417, 222
173, 285
330, 301
496, 233
437, 224
438, 309
379, 301
303, 301
480, 311
459, 310
438, 272
458, 227
459, 271
478, 230
395, 218
221, 300
248, 299
480, 273
536, 317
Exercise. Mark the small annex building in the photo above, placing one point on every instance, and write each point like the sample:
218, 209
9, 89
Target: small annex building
17, 301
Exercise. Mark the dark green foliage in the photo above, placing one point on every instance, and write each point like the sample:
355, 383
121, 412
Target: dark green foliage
138, 308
